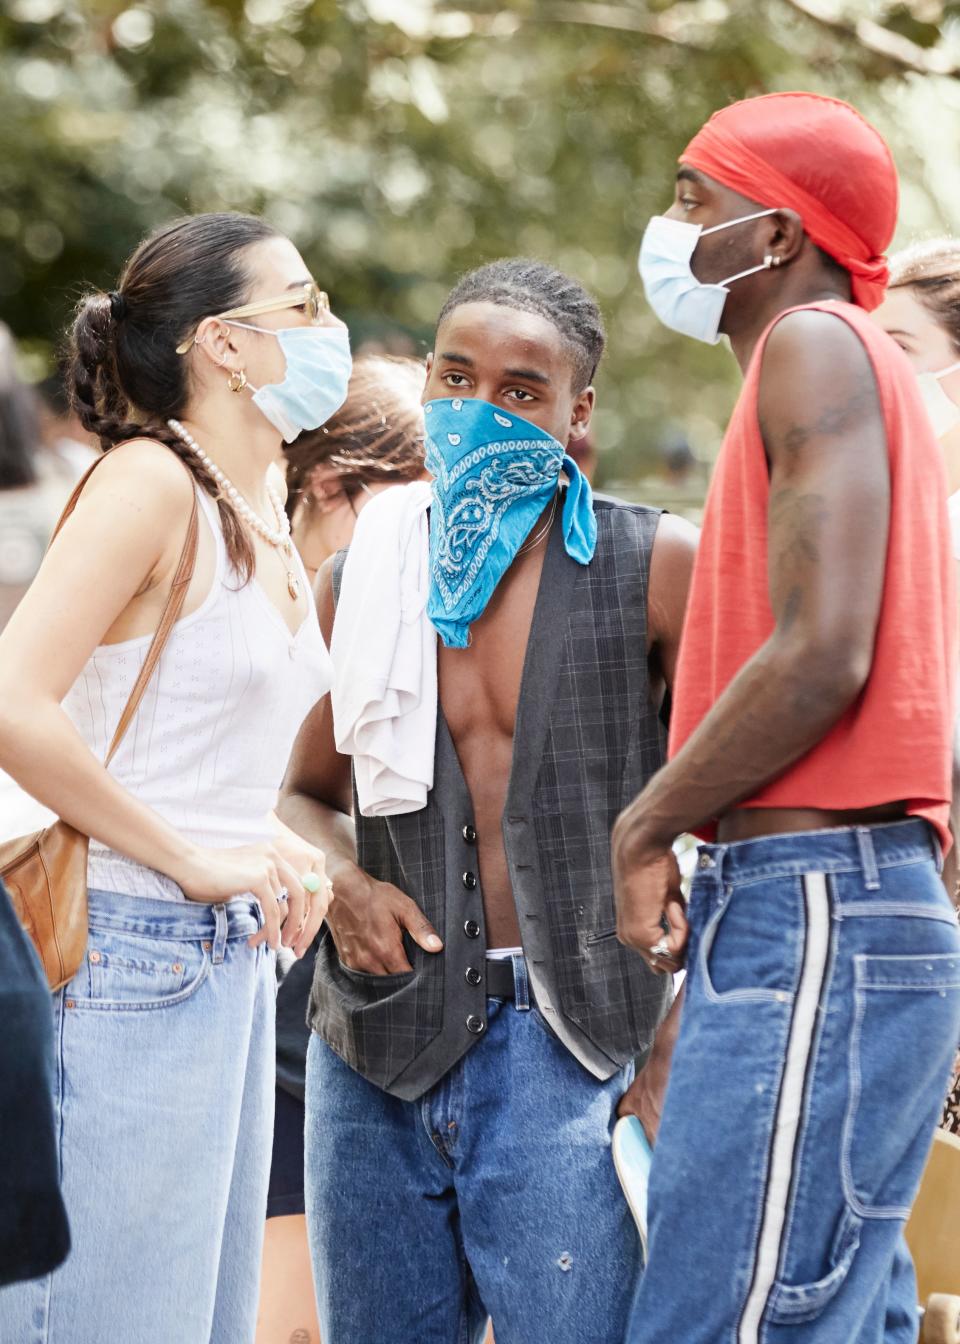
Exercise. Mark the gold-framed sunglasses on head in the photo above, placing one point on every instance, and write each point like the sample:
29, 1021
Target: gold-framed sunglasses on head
310, 297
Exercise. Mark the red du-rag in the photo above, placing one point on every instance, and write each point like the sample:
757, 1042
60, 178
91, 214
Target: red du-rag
817, 156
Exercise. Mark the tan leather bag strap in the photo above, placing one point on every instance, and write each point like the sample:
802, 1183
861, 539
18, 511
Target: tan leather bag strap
172, 609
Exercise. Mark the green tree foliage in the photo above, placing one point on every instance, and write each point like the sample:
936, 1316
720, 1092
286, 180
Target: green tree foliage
400, 142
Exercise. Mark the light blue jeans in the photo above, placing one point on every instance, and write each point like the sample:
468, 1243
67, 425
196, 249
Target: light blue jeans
163, 1099
493, 1193
821, 1020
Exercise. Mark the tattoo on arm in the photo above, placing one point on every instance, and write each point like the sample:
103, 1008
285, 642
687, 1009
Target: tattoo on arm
832, 422
796, 522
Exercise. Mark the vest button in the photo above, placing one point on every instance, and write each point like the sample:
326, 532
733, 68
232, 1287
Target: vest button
475, 1024
473, 976
469, 834
472, 928
470, 881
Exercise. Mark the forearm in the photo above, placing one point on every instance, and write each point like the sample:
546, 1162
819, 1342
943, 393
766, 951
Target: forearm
43, 752
323, 825
770, 715
668, 1031
951, 865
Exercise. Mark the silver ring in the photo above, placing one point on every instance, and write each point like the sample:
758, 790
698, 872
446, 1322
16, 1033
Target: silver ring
284, 893
660, 949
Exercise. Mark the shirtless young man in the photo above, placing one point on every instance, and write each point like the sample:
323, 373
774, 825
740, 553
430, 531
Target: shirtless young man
475, 1019
810, 743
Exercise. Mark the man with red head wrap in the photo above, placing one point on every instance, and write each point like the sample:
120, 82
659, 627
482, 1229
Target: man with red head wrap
810, 748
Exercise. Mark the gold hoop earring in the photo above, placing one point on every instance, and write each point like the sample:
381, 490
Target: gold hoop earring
237, 380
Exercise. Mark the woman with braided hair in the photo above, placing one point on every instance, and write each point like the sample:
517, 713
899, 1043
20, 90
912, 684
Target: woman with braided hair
215, 347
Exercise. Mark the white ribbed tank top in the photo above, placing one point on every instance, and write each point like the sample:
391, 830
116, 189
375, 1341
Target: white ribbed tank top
209, 744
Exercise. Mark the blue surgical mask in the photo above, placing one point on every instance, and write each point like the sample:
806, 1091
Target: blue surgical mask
315, 384
494, 474
678, 298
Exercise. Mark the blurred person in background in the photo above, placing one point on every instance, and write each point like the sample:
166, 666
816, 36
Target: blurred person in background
922, 313
69, 449
215, 348
28, 513
373, 442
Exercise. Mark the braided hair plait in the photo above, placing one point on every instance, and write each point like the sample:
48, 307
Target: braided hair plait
125, 376
534, 287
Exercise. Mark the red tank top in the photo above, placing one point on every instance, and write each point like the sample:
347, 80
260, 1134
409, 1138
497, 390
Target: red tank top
894, 742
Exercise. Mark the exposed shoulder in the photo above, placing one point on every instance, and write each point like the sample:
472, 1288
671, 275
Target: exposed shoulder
814, 338
676, 541
817, 384
142, 470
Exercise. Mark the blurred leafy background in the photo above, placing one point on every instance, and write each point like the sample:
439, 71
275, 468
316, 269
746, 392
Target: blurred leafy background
400, 142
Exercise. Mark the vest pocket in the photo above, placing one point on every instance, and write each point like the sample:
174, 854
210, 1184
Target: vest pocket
375, 984
602, 936
791, 1303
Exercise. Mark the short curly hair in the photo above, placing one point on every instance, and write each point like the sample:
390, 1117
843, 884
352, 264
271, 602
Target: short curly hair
534, 287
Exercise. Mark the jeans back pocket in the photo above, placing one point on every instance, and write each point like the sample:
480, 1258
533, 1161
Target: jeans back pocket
904, 1038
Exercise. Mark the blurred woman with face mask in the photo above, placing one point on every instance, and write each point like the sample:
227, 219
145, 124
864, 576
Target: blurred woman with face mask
922, 313
374, 441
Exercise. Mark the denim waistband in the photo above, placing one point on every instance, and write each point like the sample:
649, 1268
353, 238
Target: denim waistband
841, 849
186, 920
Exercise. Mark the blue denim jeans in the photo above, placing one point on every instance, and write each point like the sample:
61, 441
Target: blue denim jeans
821, 1019
163, 1099
493, 1193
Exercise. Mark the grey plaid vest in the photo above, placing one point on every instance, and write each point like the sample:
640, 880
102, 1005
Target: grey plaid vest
587, 739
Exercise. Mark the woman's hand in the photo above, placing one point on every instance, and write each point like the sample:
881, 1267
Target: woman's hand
291, 914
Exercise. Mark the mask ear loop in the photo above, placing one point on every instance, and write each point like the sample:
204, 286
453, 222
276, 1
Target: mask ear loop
768, 261
943, 373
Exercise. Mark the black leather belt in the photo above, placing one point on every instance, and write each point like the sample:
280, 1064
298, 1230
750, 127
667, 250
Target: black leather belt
500, 978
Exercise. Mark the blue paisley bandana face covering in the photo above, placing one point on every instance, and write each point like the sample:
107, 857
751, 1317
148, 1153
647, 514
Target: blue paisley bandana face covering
494, 474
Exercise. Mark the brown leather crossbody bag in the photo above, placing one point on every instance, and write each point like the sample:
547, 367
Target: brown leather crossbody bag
46, 873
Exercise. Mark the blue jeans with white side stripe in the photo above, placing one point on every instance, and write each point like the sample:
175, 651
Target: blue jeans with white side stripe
821, 1019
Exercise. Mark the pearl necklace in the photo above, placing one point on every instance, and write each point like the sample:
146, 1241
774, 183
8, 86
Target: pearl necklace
278, 537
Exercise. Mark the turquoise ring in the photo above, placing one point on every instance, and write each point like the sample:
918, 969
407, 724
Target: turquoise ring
311, 883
